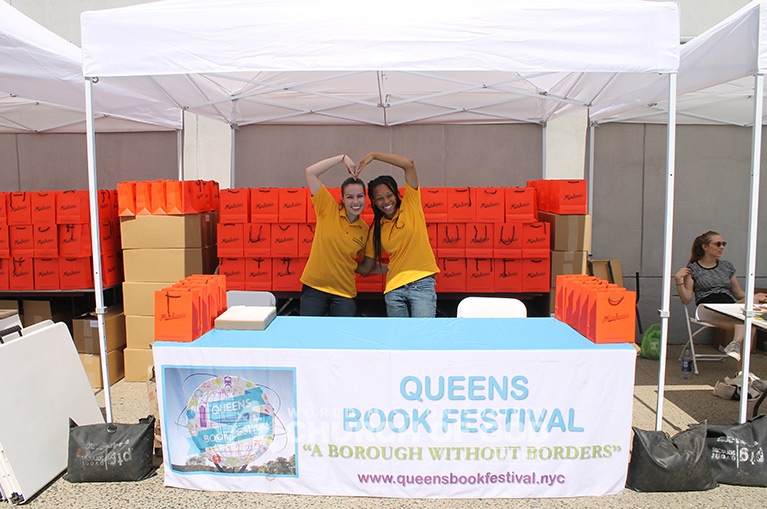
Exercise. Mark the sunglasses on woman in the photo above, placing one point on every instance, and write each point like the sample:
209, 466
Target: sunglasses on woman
719, 243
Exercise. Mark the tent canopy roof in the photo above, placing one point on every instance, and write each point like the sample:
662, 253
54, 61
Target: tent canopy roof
715, 84
363, 62
42, 86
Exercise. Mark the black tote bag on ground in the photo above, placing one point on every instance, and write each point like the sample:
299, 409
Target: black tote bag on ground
737, 452
110, 451
663, 463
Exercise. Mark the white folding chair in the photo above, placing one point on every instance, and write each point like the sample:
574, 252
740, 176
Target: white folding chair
249, 298
491, 307
695, 326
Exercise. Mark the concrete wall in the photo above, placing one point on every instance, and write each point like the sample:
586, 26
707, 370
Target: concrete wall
31, 162
445, 155
712, 186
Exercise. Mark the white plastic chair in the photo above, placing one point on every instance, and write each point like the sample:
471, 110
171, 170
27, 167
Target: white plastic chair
491, 307
250, 298
695, 326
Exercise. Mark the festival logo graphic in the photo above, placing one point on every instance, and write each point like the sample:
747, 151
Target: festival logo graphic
231, 420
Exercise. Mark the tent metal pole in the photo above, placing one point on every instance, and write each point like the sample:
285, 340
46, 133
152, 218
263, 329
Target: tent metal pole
592, 130
667, 246
96, 243
753, 218
232, 157
180, 148
544, 172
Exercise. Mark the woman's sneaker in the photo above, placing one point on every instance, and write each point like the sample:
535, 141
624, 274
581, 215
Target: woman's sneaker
733, 350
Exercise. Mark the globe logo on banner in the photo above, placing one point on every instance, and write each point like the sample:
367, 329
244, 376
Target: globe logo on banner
230, 421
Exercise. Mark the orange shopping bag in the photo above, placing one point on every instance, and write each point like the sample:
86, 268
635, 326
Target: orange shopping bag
614, 317
177, 314
126, 199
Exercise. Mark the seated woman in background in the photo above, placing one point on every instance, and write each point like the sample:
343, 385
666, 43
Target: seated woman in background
707, 278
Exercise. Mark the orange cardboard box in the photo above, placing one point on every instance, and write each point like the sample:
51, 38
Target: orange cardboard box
479, 275
230, 240
460, 208
73, 206
490, 204
434, 201
452, 275
43, 207
46, 273
451, 240
258, 273
284, 240
507, 240
293, 204
507, 275
264, 205
479, 240
235, 205
257, 238
286, 273
19, 208
521, 204
21, 239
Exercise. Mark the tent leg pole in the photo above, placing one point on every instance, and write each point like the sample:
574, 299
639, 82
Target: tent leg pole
753, 218
96, 243
667, 245
544, 171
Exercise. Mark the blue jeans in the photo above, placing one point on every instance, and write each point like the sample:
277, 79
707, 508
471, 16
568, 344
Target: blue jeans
417, 299
317, 303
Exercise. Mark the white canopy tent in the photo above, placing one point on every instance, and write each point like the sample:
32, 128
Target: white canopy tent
354, 62
41, 86
720, 81
41, 90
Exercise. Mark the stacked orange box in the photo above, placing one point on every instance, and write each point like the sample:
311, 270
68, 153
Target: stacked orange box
563, 206
485, 239
45, 240
487, 227
168, 233
599, 310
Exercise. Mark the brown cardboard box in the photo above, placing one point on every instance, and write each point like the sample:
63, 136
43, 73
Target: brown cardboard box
137, 362
139, 331
85, 331
138, 297
36, 311
168, 265
568, 262
9, 304
92, 365
568, 232
157, 232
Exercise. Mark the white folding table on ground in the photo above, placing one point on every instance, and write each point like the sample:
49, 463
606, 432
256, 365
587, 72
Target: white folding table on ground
397, 407
44, 385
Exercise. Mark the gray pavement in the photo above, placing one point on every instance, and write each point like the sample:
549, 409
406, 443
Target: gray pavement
687, 402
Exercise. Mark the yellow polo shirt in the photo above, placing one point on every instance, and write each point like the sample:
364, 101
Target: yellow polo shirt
405, 239
337, 242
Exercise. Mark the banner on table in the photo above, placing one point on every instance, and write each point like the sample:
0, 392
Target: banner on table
510, 423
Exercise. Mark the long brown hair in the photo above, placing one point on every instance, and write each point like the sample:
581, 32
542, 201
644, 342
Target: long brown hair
697, 252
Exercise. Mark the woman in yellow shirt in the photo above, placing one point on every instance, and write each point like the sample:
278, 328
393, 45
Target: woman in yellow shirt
399, 230
329, 281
